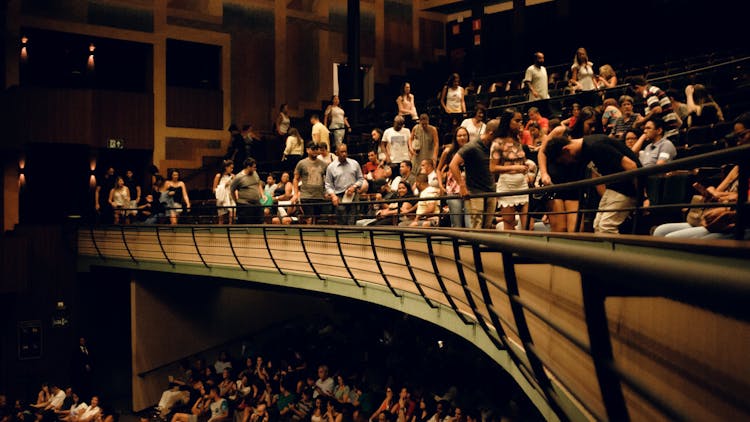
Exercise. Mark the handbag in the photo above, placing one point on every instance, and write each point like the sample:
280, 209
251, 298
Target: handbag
416, 143
720, 220
695, 214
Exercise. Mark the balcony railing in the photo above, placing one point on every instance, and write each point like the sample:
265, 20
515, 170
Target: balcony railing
603, 327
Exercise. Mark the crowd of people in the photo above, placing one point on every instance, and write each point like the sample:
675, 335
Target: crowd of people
320, 380
54, 403
352, 367
436, 185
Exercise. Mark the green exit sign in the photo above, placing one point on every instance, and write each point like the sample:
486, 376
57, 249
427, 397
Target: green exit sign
115, 143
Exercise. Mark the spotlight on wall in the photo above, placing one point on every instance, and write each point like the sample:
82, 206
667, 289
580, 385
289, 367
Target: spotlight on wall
24, 51
92, 173
90, 64
21, 172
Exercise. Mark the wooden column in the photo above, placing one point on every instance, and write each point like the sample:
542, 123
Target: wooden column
280, 56
159, 70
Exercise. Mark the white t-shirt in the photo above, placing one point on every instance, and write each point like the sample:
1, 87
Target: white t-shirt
58, 399
585, 76
320, 129
423, 206
326, 387
453, 99
537, 78
336, 117
475, 133
90, 412
398, 141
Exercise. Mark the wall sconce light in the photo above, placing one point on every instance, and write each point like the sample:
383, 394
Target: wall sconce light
90, 64
92, 173
24, 51
21, 172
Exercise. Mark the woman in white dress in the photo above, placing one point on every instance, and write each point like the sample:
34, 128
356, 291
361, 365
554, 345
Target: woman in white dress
224, 200
119, 198
582, 72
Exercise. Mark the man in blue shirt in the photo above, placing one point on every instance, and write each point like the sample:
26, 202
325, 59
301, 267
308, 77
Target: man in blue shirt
343, 180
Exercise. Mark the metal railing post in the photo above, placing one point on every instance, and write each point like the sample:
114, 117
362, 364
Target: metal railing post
417, 284
161, 246
231, 247
380, 267
343, 259
270, 254
195, 243
307, 255
601, 348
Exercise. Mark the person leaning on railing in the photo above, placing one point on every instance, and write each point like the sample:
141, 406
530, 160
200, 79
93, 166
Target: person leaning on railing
609, 156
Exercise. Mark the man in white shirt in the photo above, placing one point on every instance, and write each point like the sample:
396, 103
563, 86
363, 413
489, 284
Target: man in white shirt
535, 79
57, 398
324, 383
427, 167
320, 133
91, 412
396, 140
427, 210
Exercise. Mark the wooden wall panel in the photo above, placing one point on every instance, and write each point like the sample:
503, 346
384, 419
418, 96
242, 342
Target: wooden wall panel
125, 115
194, 108
71, 116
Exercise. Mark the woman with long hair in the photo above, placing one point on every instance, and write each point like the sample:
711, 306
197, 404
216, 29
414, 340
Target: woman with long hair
446, 181
582, 72
702, 109
224, 200
295, 148
119, 199
452, 99
607, 78
475, 125
177, 191
406, 107
283, 121
508, 159
387, 215
563, 205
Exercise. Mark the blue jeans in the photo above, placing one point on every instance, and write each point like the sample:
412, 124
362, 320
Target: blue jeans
456, 209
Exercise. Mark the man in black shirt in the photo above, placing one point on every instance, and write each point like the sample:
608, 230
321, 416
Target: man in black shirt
475, 158
609, 156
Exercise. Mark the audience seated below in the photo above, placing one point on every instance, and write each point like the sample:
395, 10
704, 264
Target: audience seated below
652, 123
286, 387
